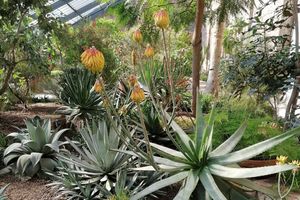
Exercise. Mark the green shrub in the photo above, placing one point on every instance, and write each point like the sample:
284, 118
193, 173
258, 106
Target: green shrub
259, 128
206, 102
103, 34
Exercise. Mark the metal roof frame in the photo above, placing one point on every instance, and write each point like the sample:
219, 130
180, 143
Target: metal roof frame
74, 11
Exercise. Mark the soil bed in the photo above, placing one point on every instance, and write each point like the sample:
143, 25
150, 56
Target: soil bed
17, 115
34, 189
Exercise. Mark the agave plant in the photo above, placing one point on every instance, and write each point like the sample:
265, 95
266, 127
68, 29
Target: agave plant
2, 191
77, 94
35, 149
71, 185
96, 159
152, 124
204, 171
98, 170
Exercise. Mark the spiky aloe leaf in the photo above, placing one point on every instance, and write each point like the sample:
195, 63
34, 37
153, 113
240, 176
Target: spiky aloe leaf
2, 190
189, 185
230, 143
181, 134
230, 172
200, 123
14, 147
48, 164
23, 162
161, 184
253, 150
35, 158
210, 185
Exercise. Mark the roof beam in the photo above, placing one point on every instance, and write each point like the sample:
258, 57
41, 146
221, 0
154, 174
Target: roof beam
59, 4
80, 11
75, 11
100, 11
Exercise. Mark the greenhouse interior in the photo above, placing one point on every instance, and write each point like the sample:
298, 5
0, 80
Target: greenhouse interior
149, 99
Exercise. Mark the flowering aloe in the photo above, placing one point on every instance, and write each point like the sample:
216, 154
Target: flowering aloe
161, 19
93, 59
198, 166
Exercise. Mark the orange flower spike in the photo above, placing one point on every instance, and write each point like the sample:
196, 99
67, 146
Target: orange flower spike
132, 80
98, 86
137, 36
93, 60
149, 51
137, 94
133, 58
161, 19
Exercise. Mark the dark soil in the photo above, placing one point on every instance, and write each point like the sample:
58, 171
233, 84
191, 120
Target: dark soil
34, 189
15, 117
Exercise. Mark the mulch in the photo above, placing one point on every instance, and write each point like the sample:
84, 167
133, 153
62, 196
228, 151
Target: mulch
16, 116
34, 189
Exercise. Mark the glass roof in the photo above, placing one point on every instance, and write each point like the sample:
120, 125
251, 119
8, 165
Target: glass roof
73, 11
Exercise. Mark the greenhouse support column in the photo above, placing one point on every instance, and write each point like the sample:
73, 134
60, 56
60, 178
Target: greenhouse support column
292, 104
197, 51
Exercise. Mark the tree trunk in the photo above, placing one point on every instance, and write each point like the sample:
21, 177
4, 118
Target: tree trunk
292, 104
207, 58
197, 50
288, 25
6, 79
212, 81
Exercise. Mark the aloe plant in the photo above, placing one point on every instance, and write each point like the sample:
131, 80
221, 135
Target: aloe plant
77, 95
35, 149
71, 185
200, 168
97, 159
98, 170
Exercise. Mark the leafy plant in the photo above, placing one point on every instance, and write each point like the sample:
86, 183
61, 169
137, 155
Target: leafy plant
203, 169
264, 61
78, 96
35, 149
101, 33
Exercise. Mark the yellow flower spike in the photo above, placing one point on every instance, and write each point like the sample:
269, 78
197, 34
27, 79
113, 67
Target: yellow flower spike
106, 103
137, 36
295, 162
98, 86
122, 110
280, 160
93, 60
149, 51
161, 19
132, 80
137, 94
133, 57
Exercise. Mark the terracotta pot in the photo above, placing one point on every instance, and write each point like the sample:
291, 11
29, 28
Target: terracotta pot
257, 163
